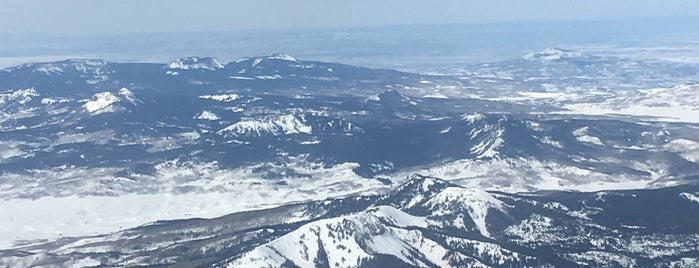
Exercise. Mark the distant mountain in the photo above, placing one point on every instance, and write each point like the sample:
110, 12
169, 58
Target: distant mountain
276, 72
425, 222
584, 83
559, 54
557, 69
195, 63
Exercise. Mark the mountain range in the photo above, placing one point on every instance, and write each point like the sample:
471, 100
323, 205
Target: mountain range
304, 151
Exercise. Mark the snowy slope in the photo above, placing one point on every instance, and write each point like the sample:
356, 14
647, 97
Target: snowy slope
402, 228
675, 104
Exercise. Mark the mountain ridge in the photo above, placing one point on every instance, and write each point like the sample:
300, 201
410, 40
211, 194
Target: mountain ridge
370, 229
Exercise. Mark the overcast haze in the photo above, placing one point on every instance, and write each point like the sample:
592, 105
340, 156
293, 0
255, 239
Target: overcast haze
69, 17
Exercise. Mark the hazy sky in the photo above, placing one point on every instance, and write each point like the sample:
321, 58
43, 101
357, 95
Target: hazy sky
137, 16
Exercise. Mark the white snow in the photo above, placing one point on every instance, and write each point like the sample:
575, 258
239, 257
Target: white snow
302, 245
655, 246
207, 115
221, 97
21, 96
686, 262
472, 118
535, 229
690, 197
41, 260
668, 114
485, 250
276, 125
216, 192
548, 95
53, 217
281, 56
477, 202
525, 174
49, 69
597, 257
675, 104
688, 149
49, 101
489, 148
129, 95
590, 139
373, 98
346, 241
389, 244
195, 63
101, 103
268, 77
582, 135
435, 96
396, 217
10, 149
241, 78
550, 141
551, 54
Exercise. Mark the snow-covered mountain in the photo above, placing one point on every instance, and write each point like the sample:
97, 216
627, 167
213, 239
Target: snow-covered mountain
195, 63
571, 75
91, 147
557, 54
425, 222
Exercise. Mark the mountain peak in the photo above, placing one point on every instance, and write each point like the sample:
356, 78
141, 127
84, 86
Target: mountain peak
196, 63
58, 67
389, 96
552, 54
417, 189
281, 56
426, 182
255, 61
